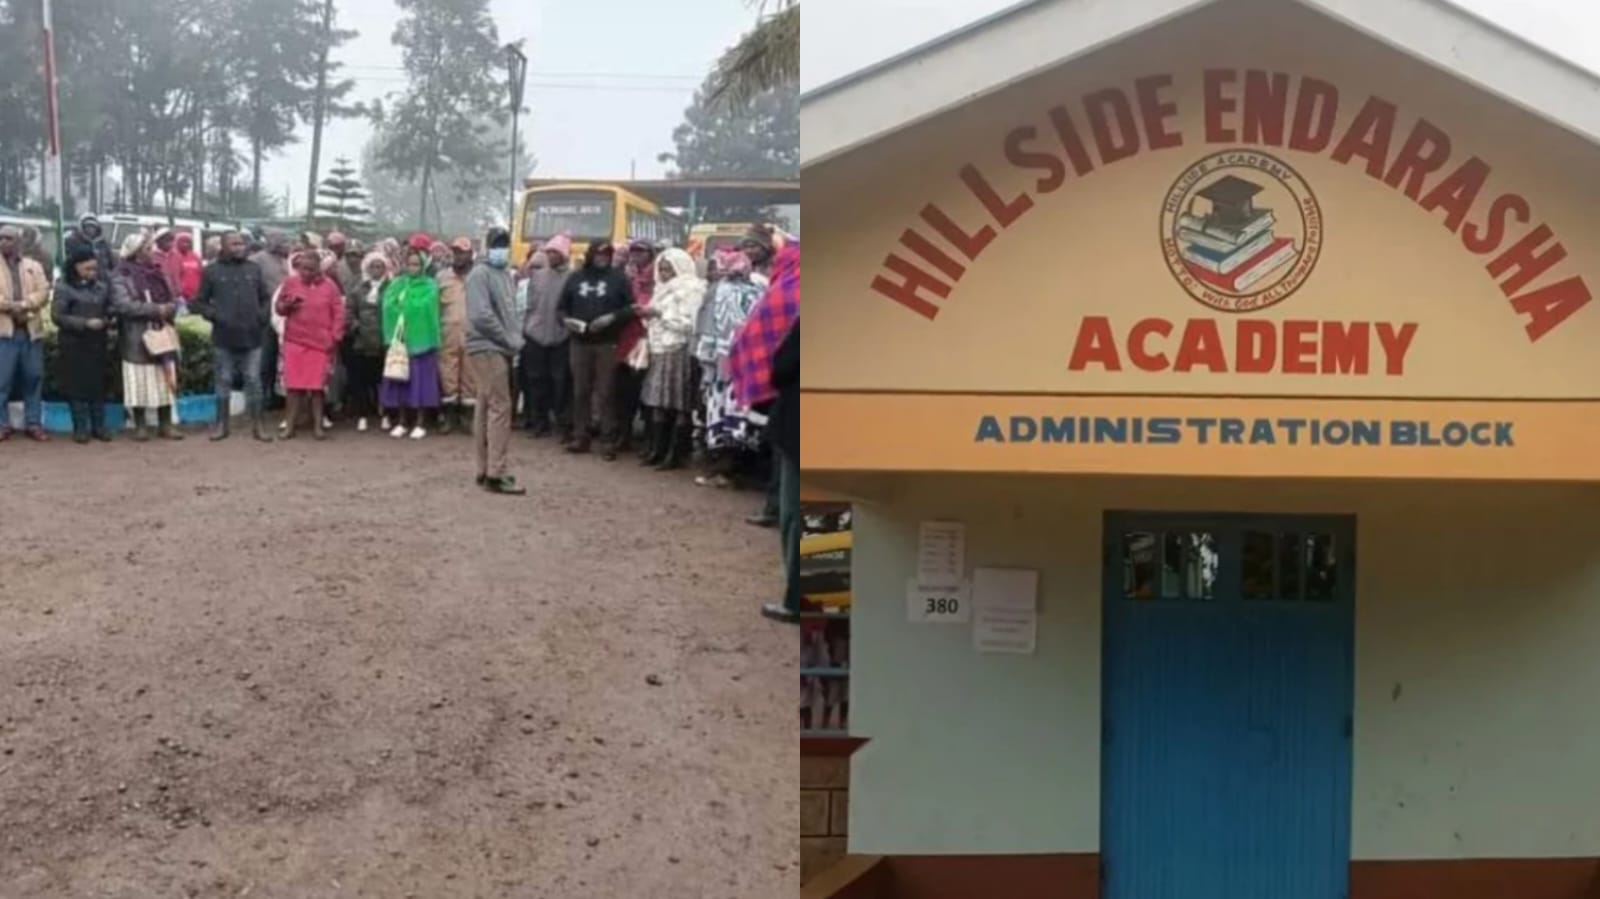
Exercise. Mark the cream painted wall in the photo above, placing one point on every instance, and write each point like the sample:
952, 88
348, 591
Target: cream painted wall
1477, 667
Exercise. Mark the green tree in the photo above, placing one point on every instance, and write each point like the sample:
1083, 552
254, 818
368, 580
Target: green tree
757, 139
271, 48
342, 202
767, 57
440, 127
455, 204
21, 124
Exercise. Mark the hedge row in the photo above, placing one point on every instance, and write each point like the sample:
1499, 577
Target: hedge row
194, 361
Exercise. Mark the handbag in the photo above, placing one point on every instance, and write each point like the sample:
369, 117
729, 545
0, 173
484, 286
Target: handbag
397, 362
161, 342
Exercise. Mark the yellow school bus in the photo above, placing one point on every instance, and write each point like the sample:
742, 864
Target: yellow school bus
706, 238
588, 212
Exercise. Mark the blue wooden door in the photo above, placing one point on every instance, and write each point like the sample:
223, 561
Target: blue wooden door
1228, 690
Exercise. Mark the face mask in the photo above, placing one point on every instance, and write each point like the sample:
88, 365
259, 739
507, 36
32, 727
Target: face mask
499, 257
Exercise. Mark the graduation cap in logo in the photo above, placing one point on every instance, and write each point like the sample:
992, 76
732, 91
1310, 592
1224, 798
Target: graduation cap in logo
1231, 198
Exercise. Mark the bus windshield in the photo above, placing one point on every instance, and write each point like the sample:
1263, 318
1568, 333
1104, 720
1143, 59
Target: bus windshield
722, 241
585, 215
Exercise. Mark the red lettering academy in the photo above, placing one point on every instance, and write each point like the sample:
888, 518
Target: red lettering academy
1247, 108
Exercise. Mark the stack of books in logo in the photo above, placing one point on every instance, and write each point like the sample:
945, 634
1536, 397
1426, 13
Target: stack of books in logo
1228, 242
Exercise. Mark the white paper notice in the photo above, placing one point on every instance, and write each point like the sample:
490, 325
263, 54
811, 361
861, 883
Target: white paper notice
941, 553
1007, 610
938, 605
1006, 588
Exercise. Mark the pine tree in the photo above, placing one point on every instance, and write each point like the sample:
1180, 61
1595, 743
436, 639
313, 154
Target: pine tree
342, 202
452, 57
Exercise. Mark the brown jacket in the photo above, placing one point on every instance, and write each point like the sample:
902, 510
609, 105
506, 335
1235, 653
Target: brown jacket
34, 294
452, 306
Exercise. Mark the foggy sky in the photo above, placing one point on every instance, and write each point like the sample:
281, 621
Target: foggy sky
842, 36
579, 124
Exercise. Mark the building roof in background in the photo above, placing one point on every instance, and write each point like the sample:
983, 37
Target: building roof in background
705, 192
1036, 35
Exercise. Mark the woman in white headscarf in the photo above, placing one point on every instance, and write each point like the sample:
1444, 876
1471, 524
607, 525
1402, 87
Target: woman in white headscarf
669, 321
143, 302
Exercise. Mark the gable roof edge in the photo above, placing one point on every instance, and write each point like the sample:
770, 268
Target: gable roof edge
1022, 40
952, 70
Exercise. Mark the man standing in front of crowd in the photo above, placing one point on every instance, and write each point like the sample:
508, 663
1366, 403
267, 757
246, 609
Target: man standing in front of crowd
546, 371
454, 373
596, 301
235, 298
493, 340
273, 261
24, 291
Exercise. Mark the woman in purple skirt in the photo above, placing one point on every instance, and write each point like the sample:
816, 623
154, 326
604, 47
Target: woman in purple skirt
411, 308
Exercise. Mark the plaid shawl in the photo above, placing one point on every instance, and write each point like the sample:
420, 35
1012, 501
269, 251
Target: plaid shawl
750, 359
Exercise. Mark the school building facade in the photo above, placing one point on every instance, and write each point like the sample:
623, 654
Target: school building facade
1253, 339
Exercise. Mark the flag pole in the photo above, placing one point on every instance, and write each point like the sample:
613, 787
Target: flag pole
53, 111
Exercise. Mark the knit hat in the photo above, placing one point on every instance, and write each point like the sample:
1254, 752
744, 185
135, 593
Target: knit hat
134, 244
374, 257
561, 243
420, 242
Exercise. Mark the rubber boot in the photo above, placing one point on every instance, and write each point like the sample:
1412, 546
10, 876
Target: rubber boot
219, 430
447, 419
655, 448
141, 423
80, 422
317, 431
259, 429
97, 422
291, 414
164, 428
677, 446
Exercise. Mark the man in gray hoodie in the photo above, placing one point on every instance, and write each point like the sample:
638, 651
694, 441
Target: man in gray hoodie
494, 337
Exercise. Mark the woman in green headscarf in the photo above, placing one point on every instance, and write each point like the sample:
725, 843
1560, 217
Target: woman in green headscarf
411, 307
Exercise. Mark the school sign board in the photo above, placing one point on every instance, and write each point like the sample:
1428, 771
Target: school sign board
1186, 256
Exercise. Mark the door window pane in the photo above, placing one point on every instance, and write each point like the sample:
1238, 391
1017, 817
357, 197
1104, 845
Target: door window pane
1258, 565
1322, 567
1188, 565
1139, 565
1291, 563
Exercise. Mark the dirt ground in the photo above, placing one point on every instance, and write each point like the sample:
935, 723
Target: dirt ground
330, 670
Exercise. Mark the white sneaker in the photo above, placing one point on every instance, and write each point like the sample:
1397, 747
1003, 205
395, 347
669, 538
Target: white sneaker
385, 423
418, 432
361, 425
398, 431
327, 423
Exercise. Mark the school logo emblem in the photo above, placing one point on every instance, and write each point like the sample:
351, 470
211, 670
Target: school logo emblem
1240, 230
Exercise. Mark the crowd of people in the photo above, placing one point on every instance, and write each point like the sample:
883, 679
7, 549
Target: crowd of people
636, 348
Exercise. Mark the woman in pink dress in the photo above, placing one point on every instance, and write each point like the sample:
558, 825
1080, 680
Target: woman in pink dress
313, 324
